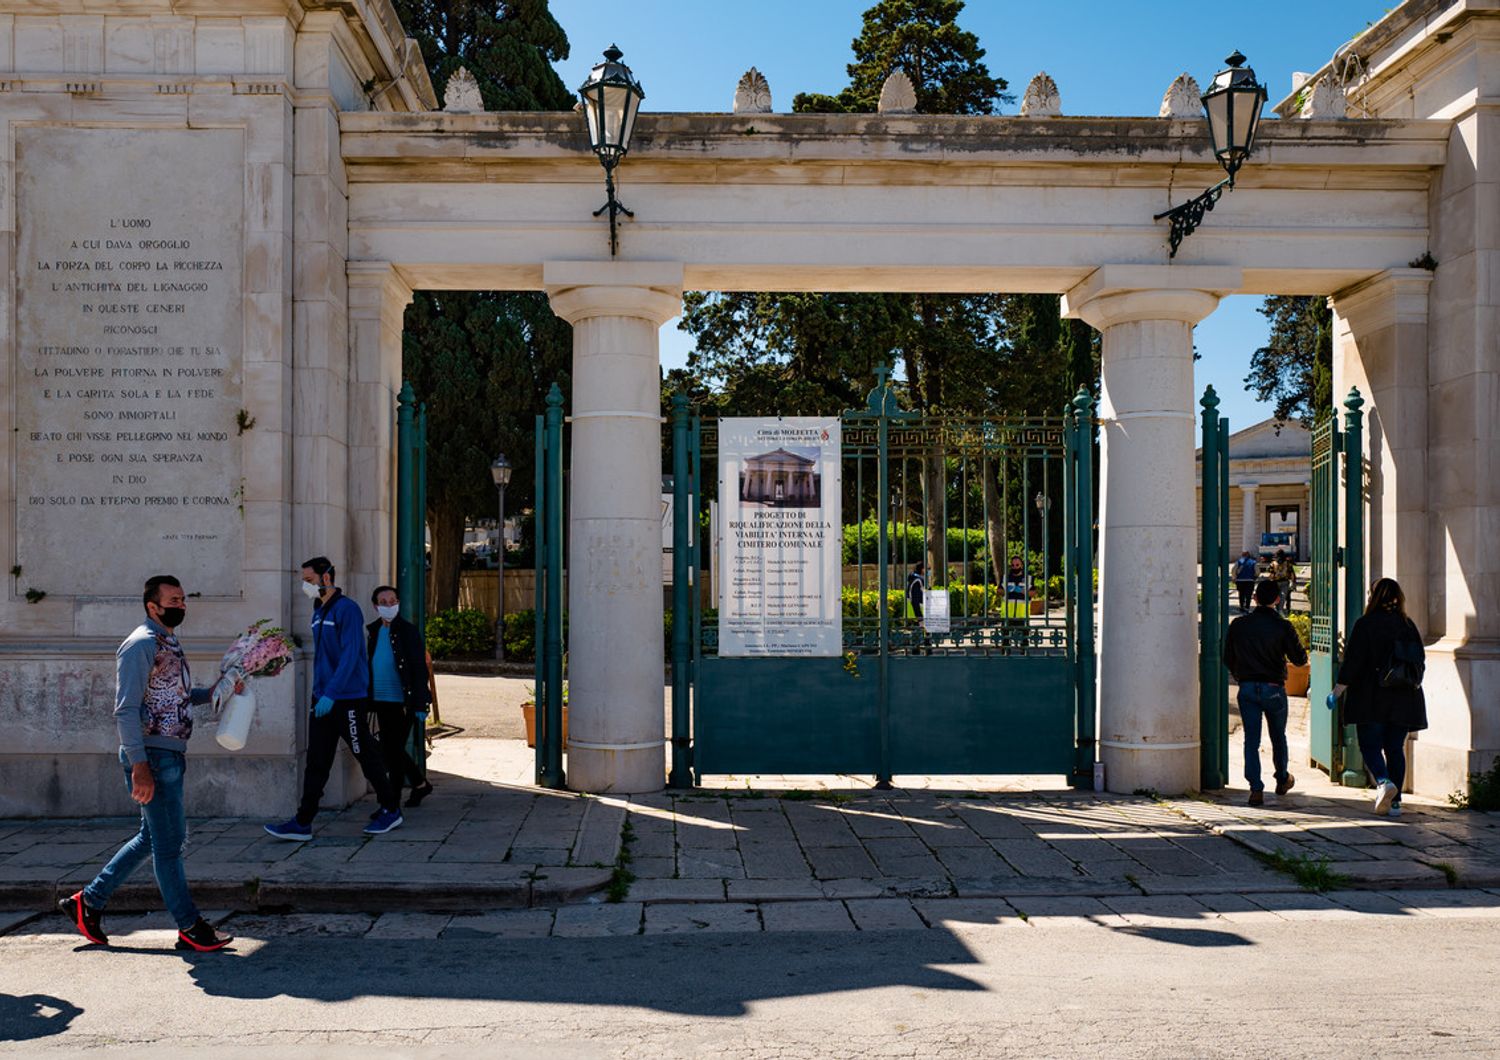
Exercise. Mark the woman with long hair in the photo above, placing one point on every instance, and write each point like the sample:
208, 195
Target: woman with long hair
1380, 682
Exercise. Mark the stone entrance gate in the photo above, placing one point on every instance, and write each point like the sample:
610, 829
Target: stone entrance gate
282, 167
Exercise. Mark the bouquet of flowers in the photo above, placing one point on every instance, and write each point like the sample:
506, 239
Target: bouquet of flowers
263, 650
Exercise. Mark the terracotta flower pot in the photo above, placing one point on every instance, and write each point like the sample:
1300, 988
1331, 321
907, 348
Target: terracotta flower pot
1297, 679
528, 711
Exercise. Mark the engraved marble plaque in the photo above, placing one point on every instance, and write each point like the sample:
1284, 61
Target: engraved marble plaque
129, 339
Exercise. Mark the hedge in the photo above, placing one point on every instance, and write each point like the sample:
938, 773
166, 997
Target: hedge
460, 632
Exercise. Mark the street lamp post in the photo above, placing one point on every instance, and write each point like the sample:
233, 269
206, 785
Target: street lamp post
1233, 104
500, 472
611, 99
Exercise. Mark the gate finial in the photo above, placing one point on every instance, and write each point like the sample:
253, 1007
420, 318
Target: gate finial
1210, 400
554, 396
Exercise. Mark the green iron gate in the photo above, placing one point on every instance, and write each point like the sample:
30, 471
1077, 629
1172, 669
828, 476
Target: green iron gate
1008, 689
1213, 619
1337, 468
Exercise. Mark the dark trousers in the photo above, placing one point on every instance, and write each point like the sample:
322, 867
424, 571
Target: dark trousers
1384, 748
395, 729
346, 721
1247, 590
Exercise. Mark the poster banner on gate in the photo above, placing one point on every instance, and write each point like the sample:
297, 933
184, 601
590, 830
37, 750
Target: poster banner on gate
781, 549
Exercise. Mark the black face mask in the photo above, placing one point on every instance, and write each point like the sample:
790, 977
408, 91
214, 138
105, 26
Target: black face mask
172, 617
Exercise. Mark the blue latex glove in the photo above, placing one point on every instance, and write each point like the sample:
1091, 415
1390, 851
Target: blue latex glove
422, 716
323, 706
1333, 701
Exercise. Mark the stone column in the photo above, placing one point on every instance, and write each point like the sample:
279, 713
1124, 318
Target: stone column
1251, 519
1148, 630
616, 727
378, 297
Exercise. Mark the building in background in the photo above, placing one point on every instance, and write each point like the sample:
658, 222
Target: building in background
1270, 485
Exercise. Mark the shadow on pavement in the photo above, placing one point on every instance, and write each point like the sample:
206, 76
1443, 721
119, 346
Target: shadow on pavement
32, 1016
720, 975
1184, 936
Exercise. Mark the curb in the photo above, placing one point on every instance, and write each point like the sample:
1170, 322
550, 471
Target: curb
534, 887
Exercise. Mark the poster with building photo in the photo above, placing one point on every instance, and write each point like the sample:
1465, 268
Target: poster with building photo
781, 543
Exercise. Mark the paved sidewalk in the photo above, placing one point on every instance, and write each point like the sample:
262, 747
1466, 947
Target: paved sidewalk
484, 838
488, 840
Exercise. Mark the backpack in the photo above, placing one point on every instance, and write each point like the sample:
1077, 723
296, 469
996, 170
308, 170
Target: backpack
1405, 668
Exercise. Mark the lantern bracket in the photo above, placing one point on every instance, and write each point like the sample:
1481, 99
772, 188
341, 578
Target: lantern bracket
615, 208
1186, 218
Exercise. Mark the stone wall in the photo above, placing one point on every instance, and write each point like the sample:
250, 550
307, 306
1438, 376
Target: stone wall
175, 360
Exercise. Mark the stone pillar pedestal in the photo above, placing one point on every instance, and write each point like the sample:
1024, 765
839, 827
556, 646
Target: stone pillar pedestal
616, 725
1148, 630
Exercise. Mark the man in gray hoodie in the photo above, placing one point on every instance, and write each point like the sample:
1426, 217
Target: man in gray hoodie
154, 700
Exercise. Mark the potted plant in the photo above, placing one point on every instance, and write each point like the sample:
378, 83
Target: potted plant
528, 711
1298, 678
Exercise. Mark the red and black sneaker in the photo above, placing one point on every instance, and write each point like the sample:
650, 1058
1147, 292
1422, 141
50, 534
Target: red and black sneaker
84, 919
203, 938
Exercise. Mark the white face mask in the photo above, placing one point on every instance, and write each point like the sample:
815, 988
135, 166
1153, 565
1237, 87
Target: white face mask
388, 612
310, 590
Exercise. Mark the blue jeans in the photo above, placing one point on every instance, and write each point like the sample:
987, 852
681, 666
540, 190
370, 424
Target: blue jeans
1261, 700
161, 838
1384, 748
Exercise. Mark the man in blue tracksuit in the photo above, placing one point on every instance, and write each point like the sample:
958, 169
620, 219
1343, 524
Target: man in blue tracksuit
340, 699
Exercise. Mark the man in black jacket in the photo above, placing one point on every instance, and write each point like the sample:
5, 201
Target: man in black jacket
1256, 651
399, 694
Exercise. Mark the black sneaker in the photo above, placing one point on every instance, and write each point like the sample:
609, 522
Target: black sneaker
84, 919
203, 938
418, 794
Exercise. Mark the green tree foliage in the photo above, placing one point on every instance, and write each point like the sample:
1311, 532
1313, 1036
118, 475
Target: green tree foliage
922, 38
1295, 367
801, 354
509, 47
482, 361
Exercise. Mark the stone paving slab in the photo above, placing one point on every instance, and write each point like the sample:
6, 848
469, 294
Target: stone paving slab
465, 847
1430, 845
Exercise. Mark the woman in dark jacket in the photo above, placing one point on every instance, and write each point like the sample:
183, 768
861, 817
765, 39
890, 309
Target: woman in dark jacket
399, 695
1383, 712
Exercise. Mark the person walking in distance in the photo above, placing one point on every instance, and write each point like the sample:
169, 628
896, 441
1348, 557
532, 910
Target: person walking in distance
916, 585
340, 700
1256, 650
154, 700
1380, 682
1244, 579
399, 696
1284, 573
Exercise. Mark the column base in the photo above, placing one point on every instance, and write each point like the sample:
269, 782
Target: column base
1131, 768
605, 770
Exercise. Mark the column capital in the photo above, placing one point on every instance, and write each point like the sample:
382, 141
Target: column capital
646, 290
379, 276
1394, 296
1120, 294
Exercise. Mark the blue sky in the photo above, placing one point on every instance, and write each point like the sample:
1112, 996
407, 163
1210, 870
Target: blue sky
1109, 57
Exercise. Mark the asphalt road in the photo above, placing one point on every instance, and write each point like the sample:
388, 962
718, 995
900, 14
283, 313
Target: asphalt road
1356, 987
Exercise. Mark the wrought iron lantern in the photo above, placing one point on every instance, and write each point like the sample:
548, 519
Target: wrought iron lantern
1232, 104
611, 99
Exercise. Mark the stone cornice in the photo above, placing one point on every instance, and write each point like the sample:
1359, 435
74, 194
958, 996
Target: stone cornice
369, 31
793, 148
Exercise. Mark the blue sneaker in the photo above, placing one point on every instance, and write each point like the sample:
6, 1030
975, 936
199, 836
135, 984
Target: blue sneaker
384, 822
293, 830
